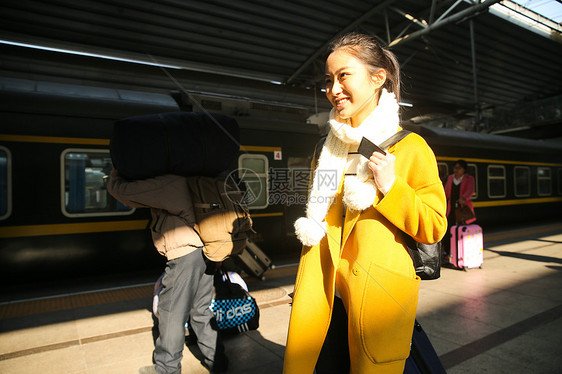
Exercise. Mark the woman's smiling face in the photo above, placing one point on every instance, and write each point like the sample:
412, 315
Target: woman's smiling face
350, 87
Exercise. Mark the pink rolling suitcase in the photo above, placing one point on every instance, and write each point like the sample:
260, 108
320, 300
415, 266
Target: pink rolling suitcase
467, 246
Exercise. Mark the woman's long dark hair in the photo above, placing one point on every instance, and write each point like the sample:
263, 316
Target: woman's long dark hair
368, 50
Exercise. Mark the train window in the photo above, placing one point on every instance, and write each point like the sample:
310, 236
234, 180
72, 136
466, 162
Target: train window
544, 182
5, 183
253, 170
443, 171
473, 170
496, 181
522, 178
84, 175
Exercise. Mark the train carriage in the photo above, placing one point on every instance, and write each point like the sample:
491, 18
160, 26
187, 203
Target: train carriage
517, 180
57, 220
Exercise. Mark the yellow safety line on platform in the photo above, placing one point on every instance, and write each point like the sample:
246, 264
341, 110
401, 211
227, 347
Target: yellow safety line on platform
55, 304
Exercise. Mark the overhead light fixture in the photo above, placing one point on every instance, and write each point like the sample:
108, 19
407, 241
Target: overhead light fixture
406, 104
88, 54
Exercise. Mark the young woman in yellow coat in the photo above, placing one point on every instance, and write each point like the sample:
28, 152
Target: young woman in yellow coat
356, 291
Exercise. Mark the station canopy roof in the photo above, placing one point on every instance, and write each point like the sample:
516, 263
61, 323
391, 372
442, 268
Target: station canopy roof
274, 50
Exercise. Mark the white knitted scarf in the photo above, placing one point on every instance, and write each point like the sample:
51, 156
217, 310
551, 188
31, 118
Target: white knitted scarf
359, 190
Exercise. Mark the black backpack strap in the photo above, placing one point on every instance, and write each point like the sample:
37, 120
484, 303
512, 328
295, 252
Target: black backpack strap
384, 145
394, 139
318, 147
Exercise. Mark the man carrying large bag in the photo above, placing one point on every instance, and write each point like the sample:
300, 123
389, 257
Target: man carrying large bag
155, 155
188, 281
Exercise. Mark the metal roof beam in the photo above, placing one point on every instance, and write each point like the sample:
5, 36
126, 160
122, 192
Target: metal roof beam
432, 11
387, 27
349, 27
409, 17
421, 23
444, 21
451, 8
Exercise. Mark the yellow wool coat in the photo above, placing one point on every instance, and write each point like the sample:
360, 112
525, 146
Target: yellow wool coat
371, 267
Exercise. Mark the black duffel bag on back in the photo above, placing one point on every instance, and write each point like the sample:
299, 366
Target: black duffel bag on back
181, 143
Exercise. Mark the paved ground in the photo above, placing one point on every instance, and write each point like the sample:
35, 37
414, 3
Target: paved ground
503, 318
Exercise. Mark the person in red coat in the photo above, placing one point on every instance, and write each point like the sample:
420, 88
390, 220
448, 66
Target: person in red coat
458, 190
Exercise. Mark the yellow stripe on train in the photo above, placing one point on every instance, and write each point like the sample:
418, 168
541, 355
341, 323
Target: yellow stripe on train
93, 141
87, 227
484, 204
490, 161
71, 228
52, 139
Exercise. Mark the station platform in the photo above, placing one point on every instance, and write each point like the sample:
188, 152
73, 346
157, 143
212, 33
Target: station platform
503, 318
